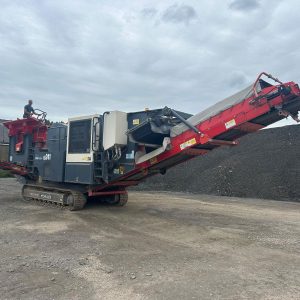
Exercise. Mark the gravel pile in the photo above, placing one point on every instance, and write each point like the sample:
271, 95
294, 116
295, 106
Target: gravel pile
266, 164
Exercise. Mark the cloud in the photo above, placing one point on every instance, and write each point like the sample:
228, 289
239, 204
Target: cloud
149, 12
82, 57
179, 14
236, 79
244, 5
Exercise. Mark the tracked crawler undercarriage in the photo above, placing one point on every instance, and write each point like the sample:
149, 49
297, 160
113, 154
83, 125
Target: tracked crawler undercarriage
65, 198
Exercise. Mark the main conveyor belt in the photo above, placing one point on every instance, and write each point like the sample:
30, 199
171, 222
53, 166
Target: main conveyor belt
217, 108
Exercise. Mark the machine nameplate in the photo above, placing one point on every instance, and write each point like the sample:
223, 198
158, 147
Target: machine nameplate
47, 156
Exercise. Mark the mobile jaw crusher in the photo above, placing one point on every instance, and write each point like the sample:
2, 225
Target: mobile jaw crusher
102, 155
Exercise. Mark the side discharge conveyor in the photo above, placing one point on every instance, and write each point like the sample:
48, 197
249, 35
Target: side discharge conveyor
101, 155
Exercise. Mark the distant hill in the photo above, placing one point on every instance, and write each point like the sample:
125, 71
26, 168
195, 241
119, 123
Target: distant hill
266, 164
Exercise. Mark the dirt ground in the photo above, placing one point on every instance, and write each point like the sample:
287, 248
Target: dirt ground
159, 246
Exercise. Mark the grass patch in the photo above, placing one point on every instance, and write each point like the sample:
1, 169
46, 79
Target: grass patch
5, 174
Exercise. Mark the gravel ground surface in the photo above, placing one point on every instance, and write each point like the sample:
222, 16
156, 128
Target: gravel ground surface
159, 246
266, 164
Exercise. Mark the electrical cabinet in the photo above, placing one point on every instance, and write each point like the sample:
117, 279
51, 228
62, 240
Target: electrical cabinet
114, 131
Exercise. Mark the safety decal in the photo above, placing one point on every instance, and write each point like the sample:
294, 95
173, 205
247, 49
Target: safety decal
87, 158
130, 155
135, 121
188, 143
122, 169
230, 124
153, 160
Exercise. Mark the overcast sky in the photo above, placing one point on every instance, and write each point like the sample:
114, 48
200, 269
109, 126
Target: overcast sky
84, 57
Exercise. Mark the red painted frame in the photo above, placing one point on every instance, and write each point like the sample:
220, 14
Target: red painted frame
21, 127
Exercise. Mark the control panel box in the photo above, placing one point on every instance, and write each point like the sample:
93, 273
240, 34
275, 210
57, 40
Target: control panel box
114, 130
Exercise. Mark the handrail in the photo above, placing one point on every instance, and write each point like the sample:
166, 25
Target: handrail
42, 115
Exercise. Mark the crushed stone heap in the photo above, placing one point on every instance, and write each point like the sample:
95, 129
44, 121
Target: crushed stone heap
265, 164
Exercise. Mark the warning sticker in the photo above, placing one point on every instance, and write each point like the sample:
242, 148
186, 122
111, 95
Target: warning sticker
86, 158
188, 143
153, 160
122, 170
230, 124
135, 121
